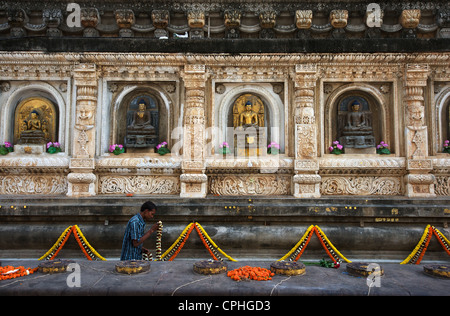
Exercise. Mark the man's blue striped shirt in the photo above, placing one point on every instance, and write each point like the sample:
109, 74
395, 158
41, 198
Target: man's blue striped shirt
134, 230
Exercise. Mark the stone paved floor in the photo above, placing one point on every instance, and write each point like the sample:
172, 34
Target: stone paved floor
177, 278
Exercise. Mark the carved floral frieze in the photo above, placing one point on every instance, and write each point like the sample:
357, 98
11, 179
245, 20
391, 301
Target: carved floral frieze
115, 184
250, 185
339, 185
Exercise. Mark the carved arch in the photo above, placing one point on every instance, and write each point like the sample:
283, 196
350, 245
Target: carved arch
26, 91
120, 102
442, 119
368, 91
273, 104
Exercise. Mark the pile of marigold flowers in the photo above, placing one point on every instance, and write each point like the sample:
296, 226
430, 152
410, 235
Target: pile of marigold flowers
9, 272
250, 273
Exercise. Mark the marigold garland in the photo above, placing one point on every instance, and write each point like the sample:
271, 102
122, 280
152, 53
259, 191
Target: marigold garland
88, 250
176, 247
10, 272
419, 251
295, 253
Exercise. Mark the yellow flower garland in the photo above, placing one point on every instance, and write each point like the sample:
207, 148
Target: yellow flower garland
64, 235
323, 237
58, 241
418, 246
182, 235
305, 235
213, 243
331, 245
87, 243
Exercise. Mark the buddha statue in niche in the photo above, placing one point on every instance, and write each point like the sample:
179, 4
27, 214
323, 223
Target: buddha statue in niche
248, 121
248, 118
355, 126
32, 130
141, 131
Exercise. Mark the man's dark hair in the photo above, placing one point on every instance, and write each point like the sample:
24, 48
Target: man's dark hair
148, 206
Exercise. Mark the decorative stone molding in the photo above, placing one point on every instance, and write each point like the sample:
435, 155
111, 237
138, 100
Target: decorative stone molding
33, 184
81, 184
250, 184
345, 185
305, 78
194, 77
82, 181
138, 184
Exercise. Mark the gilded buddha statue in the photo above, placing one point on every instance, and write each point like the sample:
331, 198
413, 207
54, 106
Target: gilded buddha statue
248, 121
248, 118
32, 130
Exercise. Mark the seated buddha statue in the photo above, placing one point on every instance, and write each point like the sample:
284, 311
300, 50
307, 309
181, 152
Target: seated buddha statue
248, 118
32, 132
357, 120
140, 131
357, 131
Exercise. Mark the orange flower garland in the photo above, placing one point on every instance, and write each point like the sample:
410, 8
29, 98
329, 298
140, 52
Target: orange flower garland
10, 272
207, 246
250, 273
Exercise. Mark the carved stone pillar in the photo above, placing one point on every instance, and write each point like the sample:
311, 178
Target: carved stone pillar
82, 180
418, 181
306, 180
193, 180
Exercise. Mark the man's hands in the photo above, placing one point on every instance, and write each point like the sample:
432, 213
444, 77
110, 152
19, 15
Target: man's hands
146, 236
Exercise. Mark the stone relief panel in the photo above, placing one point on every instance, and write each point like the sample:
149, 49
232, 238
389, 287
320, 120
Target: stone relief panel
249, 185
118, 184
442, 185
356, 185
34, 184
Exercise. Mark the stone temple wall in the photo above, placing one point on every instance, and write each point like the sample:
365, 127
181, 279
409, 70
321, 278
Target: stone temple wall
304, 61
410, 93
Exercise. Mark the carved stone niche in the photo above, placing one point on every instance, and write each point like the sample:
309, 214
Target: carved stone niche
358, 123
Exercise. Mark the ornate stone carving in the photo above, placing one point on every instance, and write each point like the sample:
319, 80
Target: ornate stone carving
196, 18
33, 184
160, 18
124, 18
267, 19
232, 18
442, 186
138, 184
303, 19
194, 130
361, 186
410, 18
338, 18
250, 185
